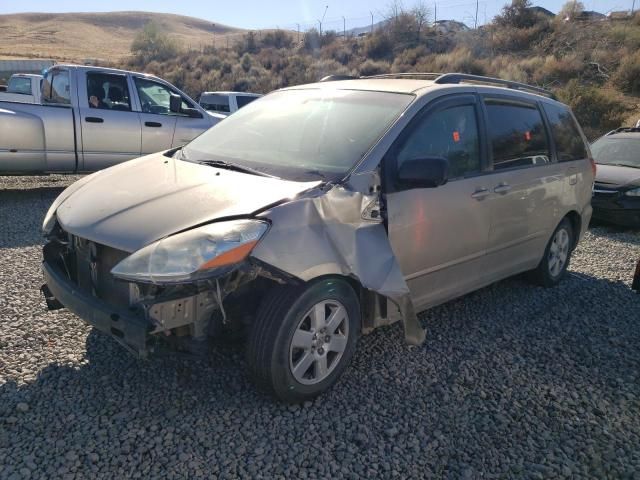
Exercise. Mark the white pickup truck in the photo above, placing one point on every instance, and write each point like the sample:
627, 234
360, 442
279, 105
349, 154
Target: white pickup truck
91, 118
22, 87
225, 103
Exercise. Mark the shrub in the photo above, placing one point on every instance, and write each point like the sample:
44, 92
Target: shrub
311, 40
277, 39
371, 67
460, 60
245, 62
517, 15
559, 70
597, 110
378, 46
151, 44
627, 77
321, 68
509, 39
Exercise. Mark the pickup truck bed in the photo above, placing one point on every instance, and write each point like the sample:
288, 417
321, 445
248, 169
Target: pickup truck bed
91, 118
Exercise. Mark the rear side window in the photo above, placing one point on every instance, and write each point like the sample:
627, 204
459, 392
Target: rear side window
569, 144
20, 85
108, 92
55, 88
216, 103
517, 133
244, 100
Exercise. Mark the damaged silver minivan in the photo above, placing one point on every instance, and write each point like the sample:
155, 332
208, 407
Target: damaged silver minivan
321, 212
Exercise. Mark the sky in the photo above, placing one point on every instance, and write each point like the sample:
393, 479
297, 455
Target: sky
255, 14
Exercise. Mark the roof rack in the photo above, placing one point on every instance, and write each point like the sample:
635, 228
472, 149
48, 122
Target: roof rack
333, 78
424, 76
451, 78
467, 78
624, 130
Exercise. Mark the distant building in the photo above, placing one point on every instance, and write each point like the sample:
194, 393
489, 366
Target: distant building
542, 12
620, 15
449, 26
590, 15
9, 67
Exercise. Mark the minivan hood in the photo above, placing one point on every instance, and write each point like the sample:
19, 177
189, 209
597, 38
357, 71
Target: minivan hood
616, 176
138, 202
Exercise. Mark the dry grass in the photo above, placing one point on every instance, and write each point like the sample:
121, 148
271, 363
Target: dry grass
105, 37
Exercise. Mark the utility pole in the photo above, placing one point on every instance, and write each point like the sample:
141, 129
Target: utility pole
298, 32
633, 7
344, 28
371, 21
475, 25
435, 12
323, 15
213, 25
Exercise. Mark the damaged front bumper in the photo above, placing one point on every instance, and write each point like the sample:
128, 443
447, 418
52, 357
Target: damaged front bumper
127, 328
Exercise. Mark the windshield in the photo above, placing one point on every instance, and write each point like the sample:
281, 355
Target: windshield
301, 134
617, 151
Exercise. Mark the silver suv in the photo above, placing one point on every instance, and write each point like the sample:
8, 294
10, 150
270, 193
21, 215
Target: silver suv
321, 212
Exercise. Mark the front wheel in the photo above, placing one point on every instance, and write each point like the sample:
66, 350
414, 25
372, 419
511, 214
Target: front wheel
553, 266
304, 338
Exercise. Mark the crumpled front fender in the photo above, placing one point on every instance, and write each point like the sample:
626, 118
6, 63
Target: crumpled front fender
339, 232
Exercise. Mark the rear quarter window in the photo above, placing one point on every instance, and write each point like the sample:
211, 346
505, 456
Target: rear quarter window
244, 100
517, 133
21, 85
565, 133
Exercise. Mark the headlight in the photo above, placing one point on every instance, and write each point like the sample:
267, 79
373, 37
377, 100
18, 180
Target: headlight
633, 192
192, 254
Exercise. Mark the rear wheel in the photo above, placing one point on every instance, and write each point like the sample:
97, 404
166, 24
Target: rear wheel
553, 266
304, 338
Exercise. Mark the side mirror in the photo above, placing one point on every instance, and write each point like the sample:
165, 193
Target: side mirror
175, 103
427, 172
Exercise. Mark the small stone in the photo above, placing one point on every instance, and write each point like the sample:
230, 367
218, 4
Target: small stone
391, 432
22, 407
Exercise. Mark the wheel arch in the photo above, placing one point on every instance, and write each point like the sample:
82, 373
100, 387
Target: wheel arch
576, 224
369, 301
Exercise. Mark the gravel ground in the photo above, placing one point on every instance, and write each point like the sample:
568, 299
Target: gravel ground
514, 381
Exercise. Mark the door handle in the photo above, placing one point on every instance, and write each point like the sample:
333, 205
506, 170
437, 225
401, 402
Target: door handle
152, 124
502, 189
480, 193
94, 119
572, 173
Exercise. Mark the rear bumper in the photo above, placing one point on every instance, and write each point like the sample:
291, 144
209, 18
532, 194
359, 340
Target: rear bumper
129, 330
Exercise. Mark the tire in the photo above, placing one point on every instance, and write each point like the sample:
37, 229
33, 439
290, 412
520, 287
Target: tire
549, 273
282, 369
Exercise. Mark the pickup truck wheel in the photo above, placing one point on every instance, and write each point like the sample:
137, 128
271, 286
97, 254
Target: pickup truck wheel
303, 339
553, 266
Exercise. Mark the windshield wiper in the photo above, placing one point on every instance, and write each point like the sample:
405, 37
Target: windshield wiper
235, 167
316, 173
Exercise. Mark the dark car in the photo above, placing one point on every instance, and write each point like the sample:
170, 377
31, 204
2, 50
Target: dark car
616, 192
